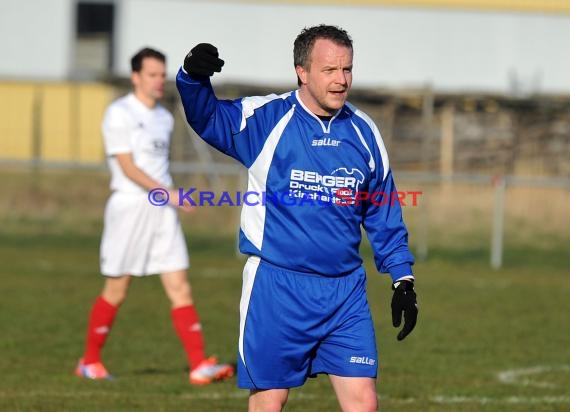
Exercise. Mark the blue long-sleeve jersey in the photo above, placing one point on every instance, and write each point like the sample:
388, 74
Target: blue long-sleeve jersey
307, 168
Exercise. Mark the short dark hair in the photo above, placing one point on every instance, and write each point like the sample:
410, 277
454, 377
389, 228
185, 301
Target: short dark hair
306, 40
147, 52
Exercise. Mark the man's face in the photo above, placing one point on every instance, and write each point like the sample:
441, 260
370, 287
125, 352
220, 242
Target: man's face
149, 82
327, 79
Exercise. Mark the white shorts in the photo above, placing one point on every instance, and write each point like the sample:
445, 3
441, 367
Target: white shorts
140, 239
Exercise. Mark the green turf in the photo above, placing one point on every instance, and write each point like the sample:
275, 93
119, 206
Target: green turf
474, 324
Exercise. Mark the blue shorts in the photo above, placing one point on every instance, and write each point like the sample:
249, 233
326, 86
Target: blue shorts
295, 325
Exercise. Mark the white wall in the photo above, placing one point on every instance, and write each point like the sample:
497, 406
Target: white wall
394, 47
35, 39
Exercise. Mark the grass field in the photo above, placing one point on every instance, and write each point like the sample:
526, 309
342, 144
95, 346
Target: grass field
486, 340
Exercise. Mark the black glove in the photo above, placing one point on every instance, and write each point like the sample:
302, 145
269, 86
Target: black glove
203, 60
404, 300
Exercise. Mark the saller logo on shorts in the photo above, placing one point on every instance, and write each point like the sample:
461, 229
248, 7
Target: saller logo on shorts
365, 360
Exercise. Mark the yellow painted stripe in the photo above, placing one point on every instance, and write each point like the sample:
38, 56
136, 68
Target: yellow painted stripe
93, 100
533, 6
64, 119
17, 120
57, 102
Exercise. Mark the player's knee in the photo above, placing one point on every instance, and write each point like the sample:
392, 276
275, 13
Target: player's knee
273, 405
267, 401
182, 289
368, 402
371, 403
115, 297
180, 293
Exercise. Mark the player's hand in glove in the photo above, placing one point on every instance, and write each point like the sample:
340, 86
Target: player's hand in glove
404, 300
203, 60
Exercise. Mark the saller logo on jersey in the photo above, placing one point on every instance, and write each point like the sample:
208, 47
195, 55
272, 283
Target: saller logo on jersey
365, 360
325, 142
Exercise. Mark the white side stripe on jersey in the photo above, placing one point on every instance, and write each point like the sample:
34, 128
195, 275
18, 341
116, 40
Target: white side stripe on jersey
253, 217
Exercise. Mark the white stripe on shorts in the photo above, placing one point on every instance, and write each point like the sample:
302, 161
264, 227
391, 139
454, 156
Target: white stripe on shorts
249, 272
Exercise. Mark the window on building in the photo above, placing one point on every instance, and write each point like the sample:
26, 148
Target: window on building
93, 55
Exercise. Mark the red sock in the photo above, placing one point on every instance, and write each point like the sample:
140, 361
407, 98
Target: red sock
100, 322
189, 330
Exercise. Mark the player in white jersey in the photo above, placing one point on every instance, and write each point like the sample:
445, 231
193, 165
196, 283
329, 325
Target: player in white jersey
140, 238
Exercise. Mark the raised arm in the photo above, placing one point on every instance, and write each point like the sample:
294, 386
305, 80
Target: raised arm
215, 121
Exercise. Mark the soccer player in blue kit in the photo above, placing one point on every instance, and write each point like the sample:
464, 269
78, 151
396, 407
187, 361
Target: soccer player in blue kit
312, 155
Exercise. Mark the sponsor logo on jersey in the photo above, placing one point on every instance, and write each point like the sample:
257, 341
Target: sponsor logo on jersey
363, 360
159, 144
326, 142
157, 147
326, 187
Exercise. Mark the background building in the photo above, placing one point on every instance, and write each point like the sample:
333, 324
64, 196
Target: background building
504, 63
516, 46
